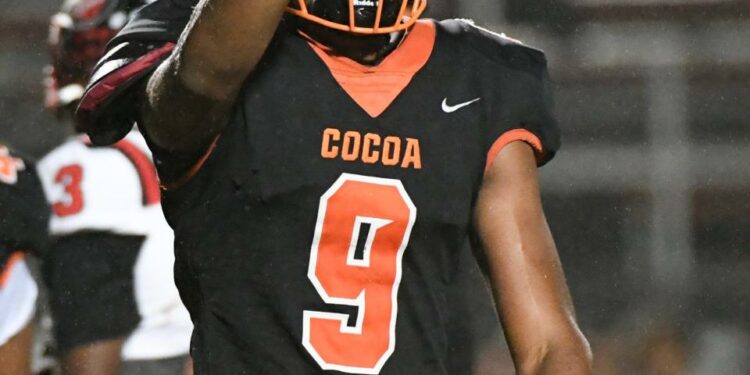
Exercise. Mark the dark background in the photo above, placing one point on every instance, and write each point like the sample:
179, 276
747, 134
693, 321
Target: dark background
649, 199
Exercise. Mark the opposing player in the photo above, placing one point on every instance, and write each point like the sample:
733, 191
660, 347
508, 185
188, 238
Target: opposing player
324, 169
109, 270
23, 228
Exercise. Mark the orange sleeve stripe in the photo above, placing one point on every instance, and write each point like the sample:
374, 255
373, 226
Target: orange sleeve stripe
512, 136
193, 170
5, 274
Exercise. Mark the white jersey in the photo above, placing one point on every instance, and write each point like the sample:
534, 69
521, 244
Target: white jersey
114, 189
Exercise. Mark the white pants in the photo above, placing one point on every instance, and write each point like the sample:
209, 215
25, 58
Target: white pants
18, 294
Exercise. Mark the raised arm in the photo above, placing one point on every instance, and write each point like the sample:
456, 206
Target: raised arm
187, 100
526, 276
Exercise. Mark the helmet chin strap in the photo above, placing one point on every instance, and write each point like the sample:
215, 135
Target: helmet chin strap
364, 49
374, 58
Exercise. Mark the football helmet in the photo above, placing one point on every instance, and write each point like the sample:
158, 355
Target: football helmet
360, 16
78, 37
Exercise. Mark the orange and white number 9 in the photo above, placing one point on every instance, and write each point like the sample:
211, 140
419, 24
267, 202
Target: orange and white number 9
351, 265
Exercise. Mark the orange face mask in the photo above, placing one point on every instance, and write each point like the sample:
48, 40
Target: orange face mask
407, 16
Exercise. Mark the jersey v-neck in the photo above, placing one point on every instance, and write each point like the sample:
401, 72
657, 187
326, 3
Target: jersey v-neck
374, 88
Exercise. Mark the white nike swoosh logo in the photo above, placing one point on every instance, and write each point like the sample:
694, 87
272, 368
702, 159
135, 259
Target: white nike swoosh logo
453, 108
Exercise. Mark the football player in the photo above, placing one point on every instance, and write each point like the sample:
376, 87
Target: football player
23, 227
324, 162
109, 269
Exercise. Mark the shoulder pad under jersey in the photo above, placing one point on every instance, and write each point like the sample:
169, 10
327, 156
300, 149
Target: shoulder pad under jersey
497, 47
511, 67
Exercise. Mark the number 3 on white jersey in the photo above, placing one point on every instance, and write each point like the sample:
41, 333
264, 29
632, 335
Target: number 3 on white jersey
368, 280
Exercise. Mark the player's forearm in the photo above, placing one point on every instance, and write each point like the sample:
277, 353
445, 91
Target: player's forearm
223, 42
527, 279
569, 355
187, 100
541, 341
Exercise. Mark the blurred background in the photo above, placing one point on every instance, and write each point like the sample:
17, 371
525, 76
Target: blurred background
649, 199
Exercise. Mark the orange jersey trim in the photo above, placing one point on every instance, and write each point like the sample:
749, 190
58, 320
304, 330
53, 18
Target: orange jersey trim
193, 170
374, 88
512, 136
5, 274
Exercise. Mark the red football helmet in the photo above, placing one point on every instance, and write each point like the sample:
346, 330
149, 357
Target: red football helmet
78, 38
360, 16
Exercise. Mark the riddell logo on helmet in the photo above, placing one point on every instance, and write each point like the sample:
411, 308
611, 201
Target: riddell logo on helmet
365, 3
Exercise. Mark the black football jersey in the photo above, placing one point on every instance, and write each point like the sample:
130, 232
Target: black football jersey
23, 209
321, 231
